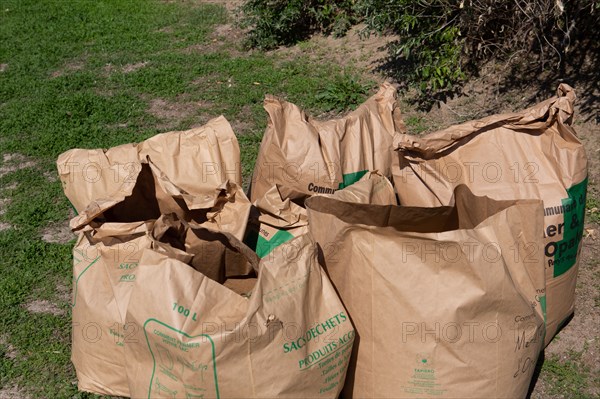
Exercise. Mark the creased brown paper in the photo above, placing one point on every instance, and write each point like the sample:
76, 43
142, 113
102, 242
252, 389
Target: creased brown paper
444, 300
280, 218
319, 157
287, 336
533, 154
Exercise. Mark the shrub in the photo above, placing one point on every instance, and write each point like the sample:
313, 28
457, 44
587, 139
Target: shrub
283, 22
443, 41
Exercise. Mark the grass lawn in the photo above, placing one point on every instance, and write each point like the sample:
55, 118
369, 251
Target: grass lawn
97, 74
93, 74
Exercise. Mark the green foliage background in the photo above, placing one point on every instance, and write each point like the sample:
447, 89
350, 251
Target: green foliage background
441, 42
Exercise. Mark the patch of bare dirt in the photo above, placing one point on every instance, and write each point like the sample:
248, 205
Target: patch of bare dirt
166, 29
4, 202
208, 79
197, 48
484, 96
12, 392
230, 5
230, 38
10, 351
480, 98
352, 50
109, 68
71, 66
128, 68
57, 233
225, 37
43, 306
589, 133
12, 157
71, 214
5, 226
3, 67
13, 162
229, 42
63, 293
118, 125
173, 112
228, 31
243, 122
50, 176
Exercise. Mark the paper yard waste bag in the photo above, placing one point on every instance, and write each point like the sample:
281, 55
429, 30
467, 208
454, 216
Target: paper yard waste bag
275, 220
197, 158
105, 260
88, 175
113, 232
194, 160
373, 188
534, 154
289, 336
311, 156
208, 251
222, 206
280, 219
444, 300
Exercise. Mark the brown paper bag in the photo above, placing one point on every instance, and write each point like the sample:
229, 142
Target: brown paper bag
208, 251
534, 154
276, 220
152, 194
444, 300
288, 337
114, 231
373, 188
112, 234
196, 161
198, 158
311, 156
105, 260
89, 175
280, 219
223, 206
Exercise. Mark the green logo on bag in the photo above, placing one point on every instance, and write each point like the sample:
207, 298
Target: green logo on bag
351, 178
182, 369
264, 246
564, 252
